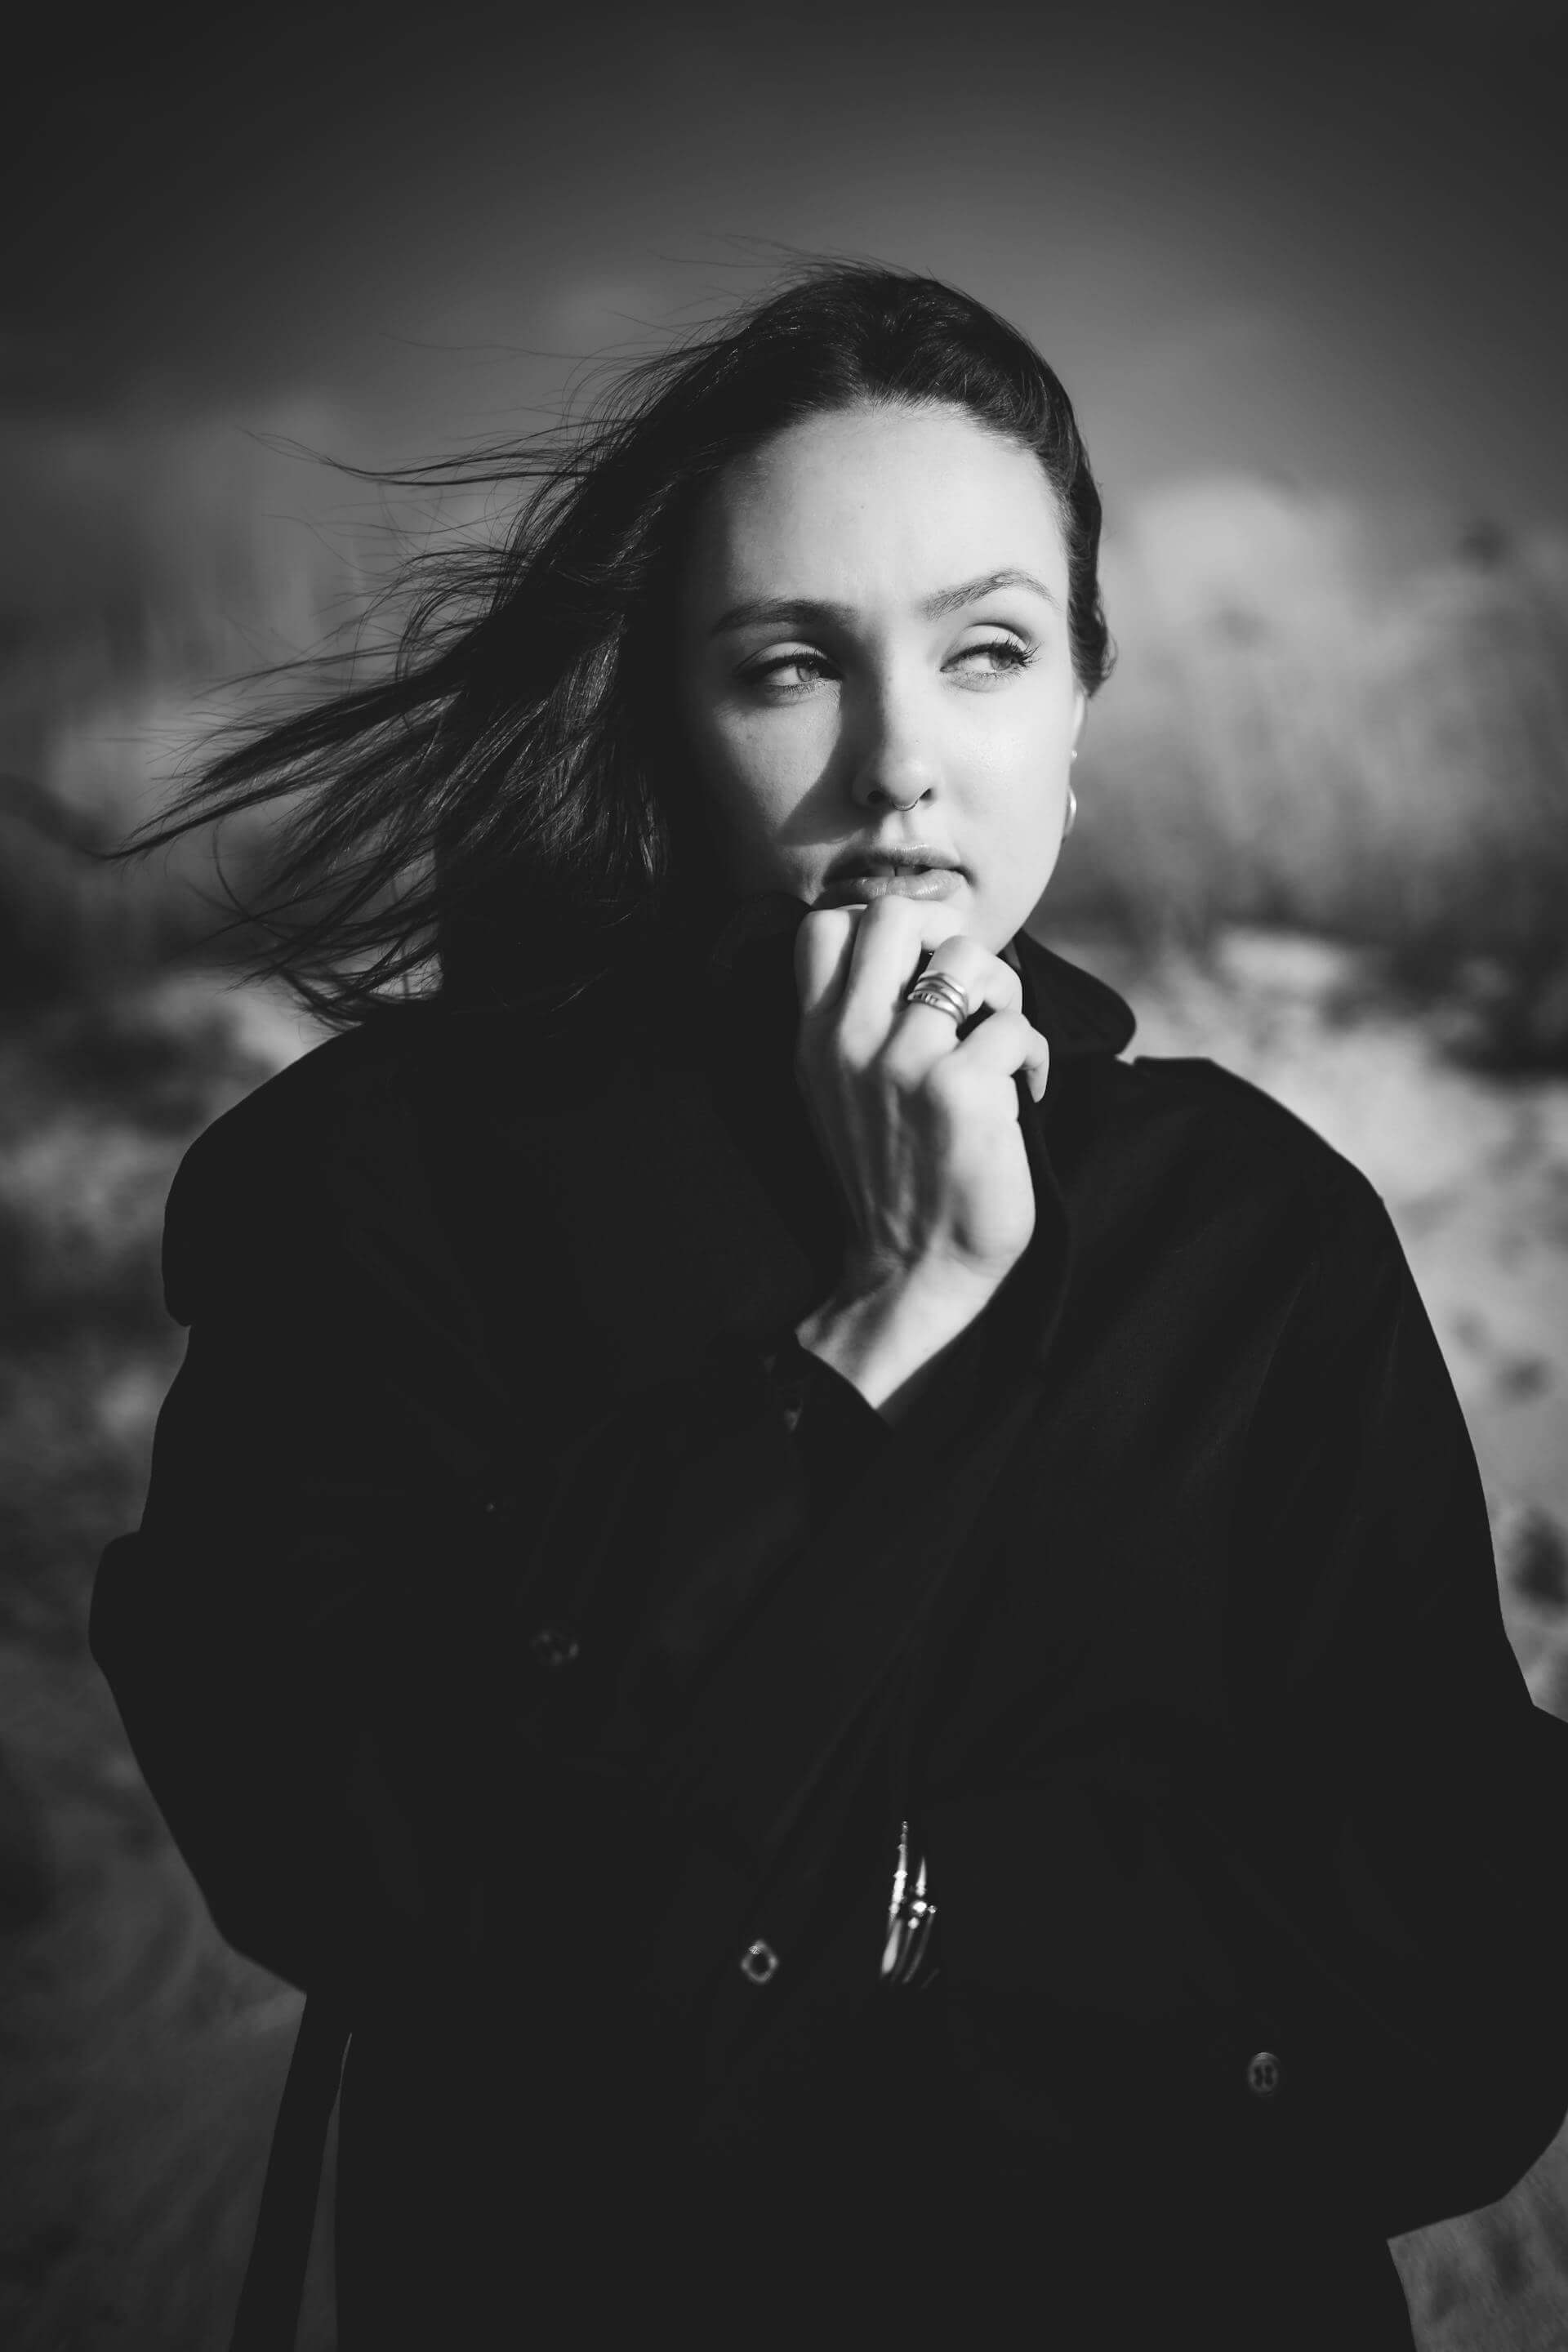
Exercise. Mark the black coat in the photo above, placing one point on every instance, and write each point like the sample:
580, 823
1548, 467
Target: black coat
1168, 1619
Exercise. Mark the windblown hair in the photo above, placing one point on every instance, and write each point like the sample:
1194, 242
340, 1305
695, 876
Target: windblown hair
508, 806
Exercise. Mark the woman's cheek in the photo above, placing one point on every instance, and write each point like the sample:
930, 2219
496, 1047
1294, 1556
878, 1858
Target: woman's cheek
1030, 756
775, 761
753, 783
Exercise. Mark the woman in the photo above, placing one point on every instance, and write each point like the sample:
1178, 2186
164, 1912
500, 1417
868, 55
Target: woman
853, 1641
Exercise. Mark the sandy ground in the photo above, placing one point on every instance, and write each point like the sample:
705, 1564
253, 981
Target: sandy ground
143, 2060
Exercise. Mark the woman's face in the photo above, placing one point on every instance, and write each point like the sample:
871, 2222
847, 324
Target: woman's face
874, 610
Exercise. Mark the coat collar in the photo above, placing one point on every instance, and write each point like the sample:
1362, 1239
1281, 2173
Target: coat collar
1080, 1014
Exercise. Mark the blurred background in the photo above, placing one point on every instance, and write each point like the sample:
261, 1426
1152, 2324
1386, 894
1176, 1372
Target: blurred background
1300, 271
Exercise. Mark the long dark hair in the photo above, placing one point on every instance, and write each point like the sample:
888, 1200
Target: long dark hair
506, 808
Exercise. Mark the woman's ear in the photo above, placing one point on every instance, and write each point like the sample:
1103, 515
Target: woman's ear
1079, 713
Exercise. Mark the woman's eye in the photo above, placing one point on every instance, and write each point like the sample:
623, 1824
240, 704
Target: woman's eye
787, 673
996, 656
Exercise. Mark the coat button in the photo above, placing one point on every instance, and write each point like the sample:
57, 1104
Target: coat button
758, 1963
1263, 2074
554, 1646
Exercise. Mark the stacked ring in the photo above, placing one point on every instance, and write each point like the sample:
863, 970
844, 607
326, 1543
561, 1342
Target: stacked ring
935, 988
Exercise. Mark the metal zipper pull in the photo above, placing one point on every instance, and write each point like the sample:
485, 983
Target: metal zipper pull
910, 1915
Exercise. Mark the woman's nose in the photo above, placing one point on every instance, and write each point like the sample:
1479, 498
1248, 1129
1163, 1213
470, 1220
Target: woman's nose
897, 766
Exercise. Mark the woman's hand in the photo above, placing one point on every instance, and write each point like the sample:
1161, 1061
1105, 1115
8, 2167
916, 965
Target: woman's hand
921, 1127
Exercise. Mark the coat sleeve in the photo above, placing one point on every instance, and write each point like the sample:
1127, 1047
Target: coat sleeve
1406, 1839
1312, 1952
313, 1637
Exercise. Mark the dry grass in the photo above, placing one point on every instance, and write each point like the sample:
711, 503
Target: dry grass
1291, 741
140, 2059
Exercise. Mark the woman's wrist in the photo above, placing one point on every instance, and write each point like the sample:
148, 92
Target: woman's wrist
890, 1339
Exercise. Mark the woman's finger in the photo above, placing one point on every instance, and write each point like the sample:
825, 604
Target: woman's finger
893, 934
988, 984
823, 947
1006, 1044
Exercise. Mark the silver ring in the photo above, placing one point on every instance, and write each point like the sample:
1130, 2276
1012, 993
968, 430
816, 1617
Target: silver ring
936, 989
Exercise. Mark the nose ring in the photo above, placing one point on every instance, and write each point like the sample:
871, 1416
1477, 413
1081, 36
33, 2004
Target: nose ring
904, 807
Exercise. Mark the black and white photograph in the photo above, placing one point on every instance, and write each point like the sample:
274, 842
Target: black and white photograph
783, 1178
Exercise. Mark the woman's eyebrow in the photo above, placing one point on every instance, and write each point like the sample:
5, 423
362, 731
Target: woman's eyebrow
969, 591
794, 611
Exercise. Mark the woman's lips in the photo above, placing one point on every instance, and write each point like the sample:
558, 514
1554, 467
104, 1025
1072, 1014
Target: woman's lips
858, 890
